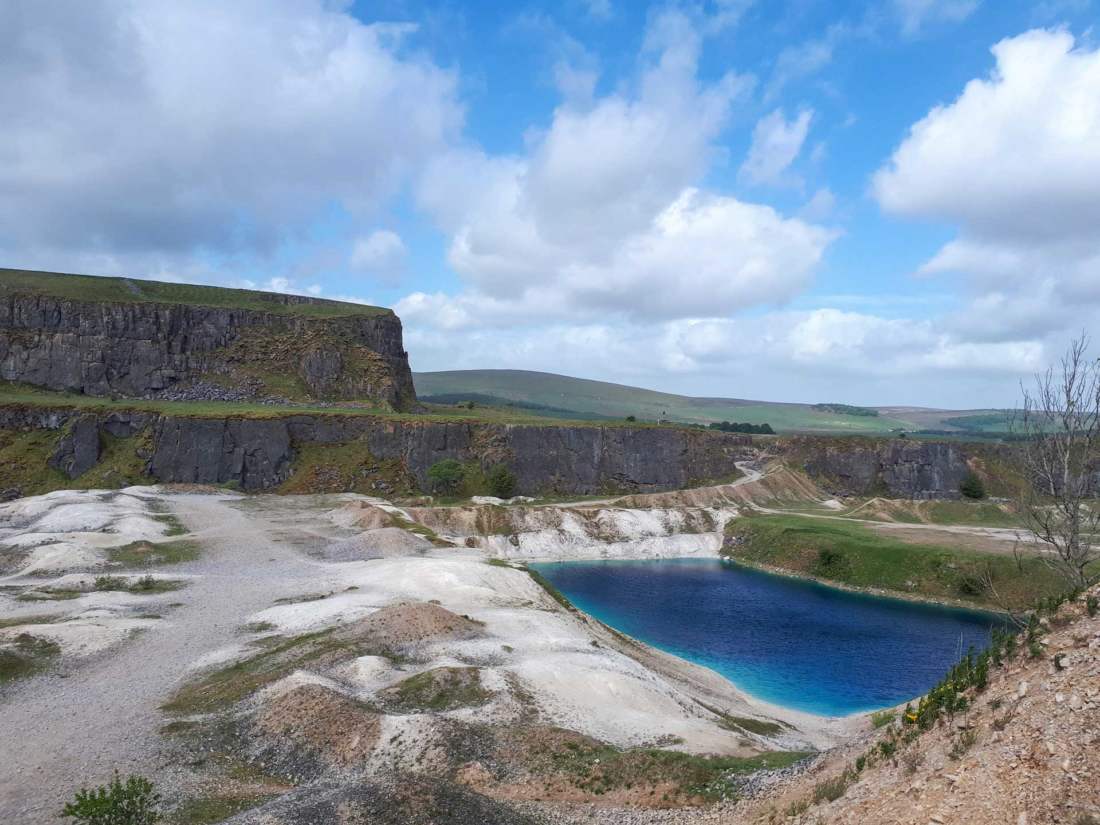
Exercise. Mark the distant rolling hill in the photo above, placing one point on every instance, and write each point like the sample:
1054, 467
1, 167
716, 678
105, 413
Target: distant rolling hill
564, 397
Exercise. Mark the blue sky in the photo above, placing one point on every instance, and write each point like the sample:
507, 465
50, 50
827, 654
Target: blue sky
795, 200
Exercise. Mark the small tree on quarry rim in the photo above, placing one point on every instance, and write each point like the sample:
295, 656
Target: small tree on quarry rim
445, 476
1060, 455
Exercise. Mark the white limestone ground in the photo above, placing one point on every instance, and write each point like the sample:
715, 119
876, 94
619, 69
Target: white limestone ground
344, 549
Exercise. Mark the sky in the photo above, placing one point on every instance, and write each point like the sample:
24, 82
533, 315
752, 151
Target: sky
891, 202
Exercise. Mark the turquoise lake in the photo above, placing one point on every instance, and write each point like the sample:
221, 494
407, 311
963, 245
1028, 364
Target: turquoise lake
798, 644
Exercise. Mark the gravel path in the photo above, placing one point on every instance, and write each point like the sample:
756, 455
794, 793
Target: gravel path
75, 726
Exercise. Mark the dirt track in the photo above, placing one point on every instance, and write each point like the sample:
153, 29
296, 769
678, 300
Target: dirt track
75, 727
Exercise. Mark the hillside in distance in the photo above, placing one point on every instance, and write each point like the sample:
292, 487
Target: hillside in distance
563, 396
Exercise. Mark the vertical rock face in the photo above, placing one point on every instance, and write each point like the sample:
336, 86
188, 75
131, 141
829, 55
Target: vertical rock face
259, 453
141, 348
897, 468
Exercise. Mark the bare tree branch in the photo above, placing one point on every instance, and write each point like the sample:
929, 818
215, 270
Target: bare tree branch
1059, 426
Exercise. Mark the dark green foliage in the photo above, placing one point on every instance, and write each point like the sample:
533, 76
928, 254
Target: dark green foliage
736, 427
846, 409
632, 418
133, 802
502, 481
1092, 605
445, 476
972, 486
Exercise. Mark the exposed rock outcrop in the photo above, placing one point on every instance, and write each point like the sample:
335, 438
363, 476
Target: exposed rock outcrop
889, 467
142, 348
259, 453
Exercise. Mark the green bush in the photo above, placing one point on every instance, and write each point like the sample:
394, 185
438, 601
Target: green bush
445, 476
972, 486
502, 482
134, 802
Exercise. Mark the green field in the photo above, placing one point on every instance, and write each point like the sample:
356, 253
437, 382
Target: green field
852, 554
561, 395
139, 291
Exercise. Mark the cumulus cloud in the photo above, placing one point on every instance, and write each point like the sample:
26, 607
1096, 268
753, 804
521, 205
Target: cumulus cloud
915, 14
382, 254
1014, 163
776, 143
601, 216
169, 128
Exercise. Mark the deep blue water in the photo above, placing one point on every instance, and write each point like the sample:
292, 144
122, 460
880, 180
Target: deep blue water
793, 643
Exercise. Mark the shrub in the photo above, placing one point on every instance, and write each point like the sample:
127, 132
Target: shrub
882, 717
502, 481
1092, 605
631, 418
972, 486
133, 802
445, 476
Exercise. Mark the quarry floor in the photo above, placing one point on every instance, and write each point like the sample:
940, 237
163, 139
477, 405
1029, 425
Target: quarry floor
280, 566
297, 564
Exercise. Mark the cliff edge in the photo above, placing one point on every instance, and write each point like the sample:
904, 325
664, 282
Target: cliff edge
136, 338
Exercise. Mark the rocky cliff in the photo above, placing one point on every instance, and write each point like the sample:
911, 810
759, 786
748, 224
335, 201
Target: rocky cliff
262, 453
139, 342
894, 468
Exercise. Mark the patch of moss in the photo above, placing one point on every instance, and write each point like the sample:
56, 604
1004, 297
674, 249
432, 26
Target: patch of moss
21, 620
49, 595
439, 689
206, 810
761, 727
347, 467
600, 768
147, 554
120, 464
226, 686
25, 655
145, 584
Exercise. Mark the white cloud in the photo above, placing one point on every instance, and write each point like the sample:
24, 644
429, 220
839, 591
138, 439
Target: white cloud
599, 9
915, 14
820, 206
804, 59
776, 143
382, 254
1014, 162
167, 128
601, 216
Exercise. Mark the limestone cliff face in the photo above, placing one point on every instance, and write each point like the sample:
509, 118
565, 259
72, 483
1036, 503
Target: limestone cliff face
260, 453
141, 348
895, 468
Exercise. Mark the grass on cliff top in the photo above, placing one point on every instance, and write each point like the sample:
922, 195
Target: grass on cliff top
94, 288
13, 393
852, 554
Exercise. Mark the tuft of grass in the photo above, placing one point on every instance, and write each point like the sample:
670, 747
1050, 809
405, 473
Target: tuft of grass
28, 620
226, 686
25, 655
761, 727
439, 689
600, 768
147, 554
206, 810
49, 595
830, 790
500, 563
146, 584
881, 718
98, 289
551, 591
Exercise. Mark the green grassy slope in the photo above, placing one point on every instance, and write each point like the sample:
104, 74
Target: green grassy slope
134, 290
584, 397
